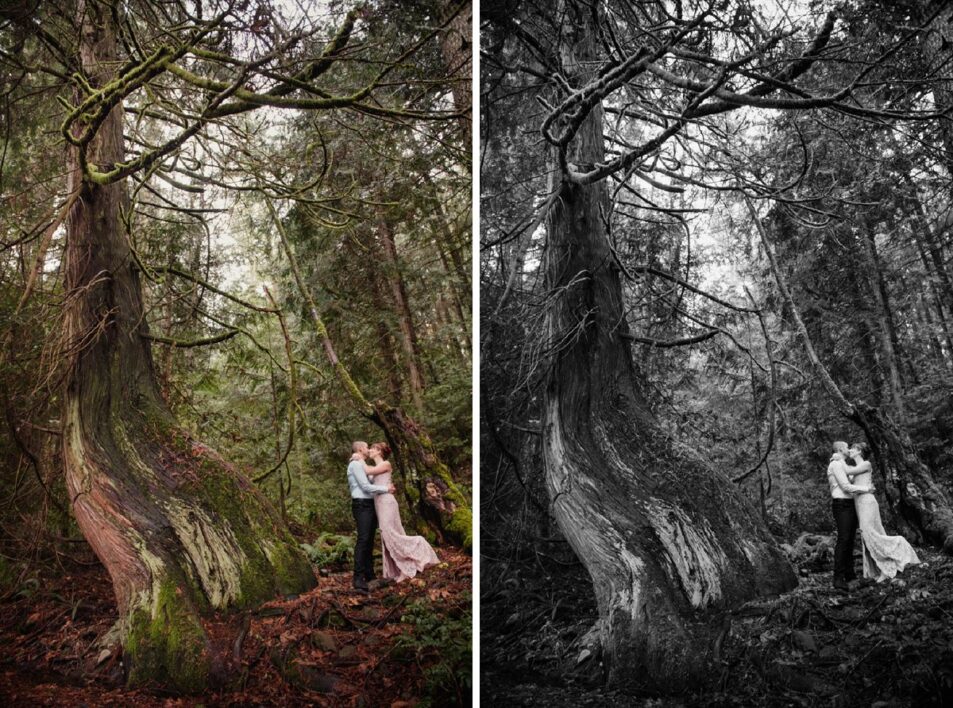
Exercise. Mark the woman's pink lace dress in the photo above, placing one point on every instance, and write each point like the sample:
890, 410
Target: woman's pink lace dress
404, 556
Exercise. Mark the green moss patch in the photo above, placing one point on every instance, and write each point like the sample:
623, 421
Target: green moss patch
169, 647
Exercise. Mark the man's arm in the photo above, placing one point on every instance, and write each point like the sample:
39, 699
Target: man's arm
837, 469
361, 478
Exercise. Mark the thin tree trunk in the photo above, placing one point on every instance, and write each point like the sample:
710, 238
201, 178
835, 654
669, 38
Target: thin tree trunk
927, 324
449, 245
887, 335
386, 342
169, 353
935, 281
669, 543
935, 58
462, 323
456, 50
178, 530
928, 241
408, 333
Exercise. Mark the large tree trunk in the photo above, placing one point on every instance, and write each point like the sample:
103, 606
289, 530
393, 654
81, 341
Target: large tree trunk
179, 531
669, 542
921, 508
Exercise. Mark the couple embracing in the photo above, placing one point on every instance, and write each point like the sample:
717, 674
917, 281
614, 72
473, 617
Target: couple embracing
855, 506
373, 506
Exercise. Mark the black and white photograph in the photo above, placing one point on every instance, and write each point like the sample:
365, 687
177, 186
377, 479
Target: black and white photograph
715, 353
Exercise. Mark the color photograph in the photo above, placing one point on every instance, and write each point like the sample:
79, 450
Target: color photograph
235, 353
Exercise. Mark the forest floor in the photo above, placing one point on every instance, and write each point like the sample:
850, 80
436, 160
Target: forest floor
883, 645
401, 645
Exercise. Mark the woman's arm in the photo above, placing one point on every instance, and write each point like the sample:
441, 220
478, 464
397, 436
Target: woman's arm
859, 468
377, 469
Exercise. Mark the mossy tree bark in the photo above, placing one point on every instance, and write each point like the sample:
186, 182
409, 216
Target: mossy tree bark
179, 530
921, 508
429, 488
669, 543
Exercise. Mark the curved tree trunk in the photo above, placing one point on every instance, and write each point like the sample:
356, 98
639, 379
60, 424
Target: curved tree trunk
669, 542
179, 531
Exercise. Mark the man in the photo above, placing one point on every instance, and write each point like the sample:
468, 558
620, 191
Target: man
362, 506
845, 515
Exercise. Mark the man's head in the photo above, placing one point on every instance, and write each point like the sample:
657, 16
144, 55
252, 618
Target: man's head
359, 447
840, 447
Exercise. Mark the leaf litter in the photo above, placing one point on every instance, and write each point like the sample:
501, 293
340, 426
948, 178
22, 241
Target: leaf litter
327, 647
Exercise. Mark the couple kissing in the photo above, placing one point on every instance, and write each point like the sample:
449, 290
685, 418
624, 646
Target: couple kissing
855, 507
374, 505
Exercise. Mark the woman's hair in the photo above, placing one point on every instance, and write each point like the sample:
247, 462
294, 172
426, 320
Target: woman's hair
864, 449
384, 448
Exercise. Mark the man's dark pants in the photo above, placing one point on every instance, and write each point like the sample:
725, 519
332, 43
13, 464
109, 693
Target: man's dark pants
366, 519
845, 518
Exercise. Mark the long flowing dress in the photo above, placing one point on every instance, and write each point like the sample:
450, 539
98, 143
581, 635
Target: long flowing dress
884, 556
404, 556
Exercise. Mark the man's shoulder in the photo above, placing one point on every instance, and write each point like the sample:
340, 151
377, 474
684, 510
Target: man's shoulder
351, 465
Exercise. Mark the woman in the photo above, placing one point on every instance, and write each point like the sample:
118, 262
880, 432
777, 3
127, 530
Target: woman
404, 556
884, 556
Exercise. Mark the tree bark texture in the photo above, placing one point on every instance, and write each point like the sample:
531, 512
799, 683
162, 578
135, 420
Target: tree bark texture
179, 531
456, 50
921, 508
669, 543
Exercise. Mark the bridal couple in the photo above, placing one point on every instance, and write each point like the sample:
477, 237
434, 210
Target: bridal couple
373, 505
855, 506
